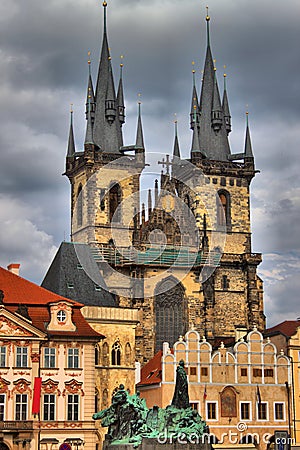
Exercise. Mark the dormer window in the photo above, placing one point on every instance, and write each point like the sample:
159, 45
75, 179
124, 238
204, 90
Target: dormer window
61, 316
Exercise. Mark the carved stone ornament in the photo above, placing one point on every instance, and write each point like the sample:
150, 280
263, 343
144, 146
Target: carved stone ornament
73, 387
50, 387
9, 328
22, 386
3, 385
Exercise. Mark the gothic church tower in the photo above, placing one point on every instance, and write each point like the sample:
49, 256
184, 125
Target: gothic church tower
104, 175
101, 175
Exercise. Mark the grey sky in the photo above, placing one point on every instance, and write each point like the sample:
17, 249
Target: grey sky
43, 69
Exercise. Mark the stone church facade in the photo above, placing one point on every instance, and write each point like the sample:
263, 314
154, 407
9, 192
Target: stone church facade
190, 264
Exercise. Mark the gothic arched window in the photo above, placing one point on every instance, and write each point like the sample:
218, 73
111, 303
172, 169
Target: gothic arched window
115, 196
104, 403
127, 354
169, 312
79, 204
105, 350
223, 208
97, 355
116, 354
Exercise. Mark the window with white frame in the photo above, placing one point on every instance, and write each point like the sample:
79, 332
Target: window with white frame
22, 357
2, 407
245, 410
2, 356
21, 407
49, 357
211, 411
262, 411
73, 407
279, 413
73, 358
49, 407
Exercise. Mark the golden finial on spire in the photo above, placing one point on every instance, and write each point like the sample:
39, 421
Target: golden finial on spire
139, 99
71, 108
89, 55
175, 118
207, 16
225, 75
215, 64
104, 4
247, 109
121, 63
193, 64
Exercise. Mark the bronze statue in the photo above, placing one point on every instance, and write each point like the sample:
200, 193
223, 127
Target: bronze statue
181, 393
129, 420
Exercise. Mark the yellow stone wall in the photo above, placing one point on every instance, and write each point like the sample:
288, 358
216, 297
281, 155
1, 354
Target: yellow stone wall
118, 326
96, 227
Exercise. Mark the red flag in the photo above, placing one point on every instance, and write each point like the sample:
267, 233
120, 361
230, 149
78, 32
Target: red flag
36, 395
204, 393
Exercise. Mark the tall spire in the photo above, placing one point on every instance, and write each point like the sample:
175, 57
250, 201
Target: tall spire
216, 112
195, 142
248, 145
225, 106
110, 99
107, 130
176, 150
90, 96
139, 143
207, 27
194, 118
120, 96
149, 203
213, 140
155, 193
71, 141
89, 125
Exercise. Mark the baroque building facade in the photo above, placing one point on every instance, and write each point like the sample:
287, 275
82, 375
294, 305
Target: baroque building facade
191, 262
47, 369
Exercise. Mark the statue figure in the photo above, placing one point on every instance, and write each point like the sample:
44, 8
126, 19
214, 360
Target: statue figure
181, 394
129, 420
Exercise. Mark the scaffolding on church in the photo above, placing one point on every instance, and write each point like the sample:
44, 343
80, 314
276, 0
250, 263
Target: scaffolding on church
163, 256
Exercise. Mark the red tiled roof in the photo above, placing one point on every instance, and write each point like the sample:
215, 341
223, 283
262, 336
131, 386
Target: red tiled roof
17, 291
151, 372
288, 328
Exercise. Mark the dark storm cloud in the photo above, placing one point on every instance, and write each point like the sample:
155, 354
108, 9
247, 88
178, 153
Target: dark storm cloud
43, 68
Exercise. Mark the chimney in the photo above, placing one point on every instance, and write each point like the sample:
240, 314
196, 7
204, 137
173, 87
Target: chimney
14, 268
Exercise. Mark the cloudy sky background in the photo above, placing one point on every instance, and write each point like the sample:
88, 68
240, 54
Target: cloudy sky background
43, 68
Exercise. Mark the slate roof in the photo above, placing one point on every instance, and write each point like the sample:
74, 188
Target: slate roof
288, 328
74, 274
18, 291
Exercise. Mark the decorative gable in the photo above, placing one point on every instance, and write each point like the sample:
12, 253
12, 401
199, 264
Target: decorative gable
61, 317
14, 326
8, 328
